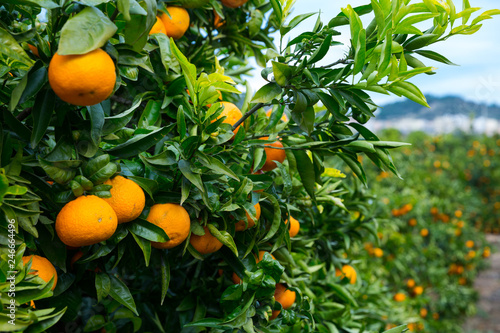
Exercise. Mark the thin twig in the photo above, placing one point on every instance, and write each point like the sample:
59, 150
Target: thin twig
114, 15
248, 114
24, 114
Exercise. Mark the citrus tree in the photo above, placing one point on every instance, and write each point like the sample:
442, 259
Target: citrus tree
168, 200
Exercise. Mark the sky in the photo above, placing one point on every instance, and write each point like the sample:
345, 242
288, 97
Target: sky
477, 78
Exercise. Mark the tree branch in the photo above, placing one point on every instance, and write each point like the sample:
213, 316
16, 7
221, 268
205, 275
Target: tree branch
24, 114
248, 114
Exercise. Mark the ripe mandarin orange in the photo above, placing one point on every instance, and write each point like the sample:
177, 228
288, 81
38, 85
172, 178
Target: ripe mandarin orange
85, 221
174, 220
218, 22
233, 3
399, 297
84, 79
273, 154
43, 267
241, 225
205, 244
127, 198
348, 272
232, 114
284, 296
158, 27
294, 226
177, 24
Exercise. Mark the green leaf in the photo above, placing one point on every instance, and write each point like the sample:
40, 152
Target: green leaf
278, 10
294, 22
359, 57
267, 93
321, 51
216, 165
275, 224
408, 90
165, 276
145, 246
42, 113
124, 8
12, 50
224, 237
150, 115
181, 122
194, 178
102, 286
147, 230
419, 42
96, 113
188, 70
139, 143
136, 30
46, 322
88, 30
398, 329
115, 123
148, 185
282, 73
306, 171
344, 294
435, 56
120, 292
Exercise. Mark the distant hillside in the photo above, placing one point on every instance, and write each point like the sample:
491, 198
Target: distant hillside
440, 106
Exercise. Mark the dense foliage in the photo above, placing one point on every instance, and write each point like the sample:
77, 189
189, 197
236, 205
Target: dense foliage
161, 128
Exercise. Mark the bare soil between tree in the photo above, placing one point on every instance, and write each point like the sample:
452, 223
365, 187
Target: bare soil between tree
487, 319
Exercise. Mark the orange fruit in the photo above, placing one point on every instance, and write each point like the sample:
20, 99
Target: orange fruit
412, 222
177, 24
233, 3
232, 114
158, 27
378, 252
75, 258
294, 226
218, 21
34, 50
399, 297
424, 232
85, 221
418, 290
273, 154
84, 79
174, 220
127, 198
205, 244
43, 267
434, 211
410, 283
462, 281
423, 312
348, 272
435, 316
284, 296
458, 213
283, 117
486, 252
241, 225
469, 244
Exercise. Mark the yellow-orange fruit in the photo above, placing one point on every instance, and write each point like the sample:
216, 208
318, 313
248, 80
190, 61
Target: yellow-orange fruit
240, 225
284, 296
418, 290
158, 27
205, 244
85, 221
273, 154
127, 198
410, 283
84, 79
424, 232
348, 272
43, 267
218, 22
177, 24
232, 114
174, 220
233, 3
399, 297
294, 226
